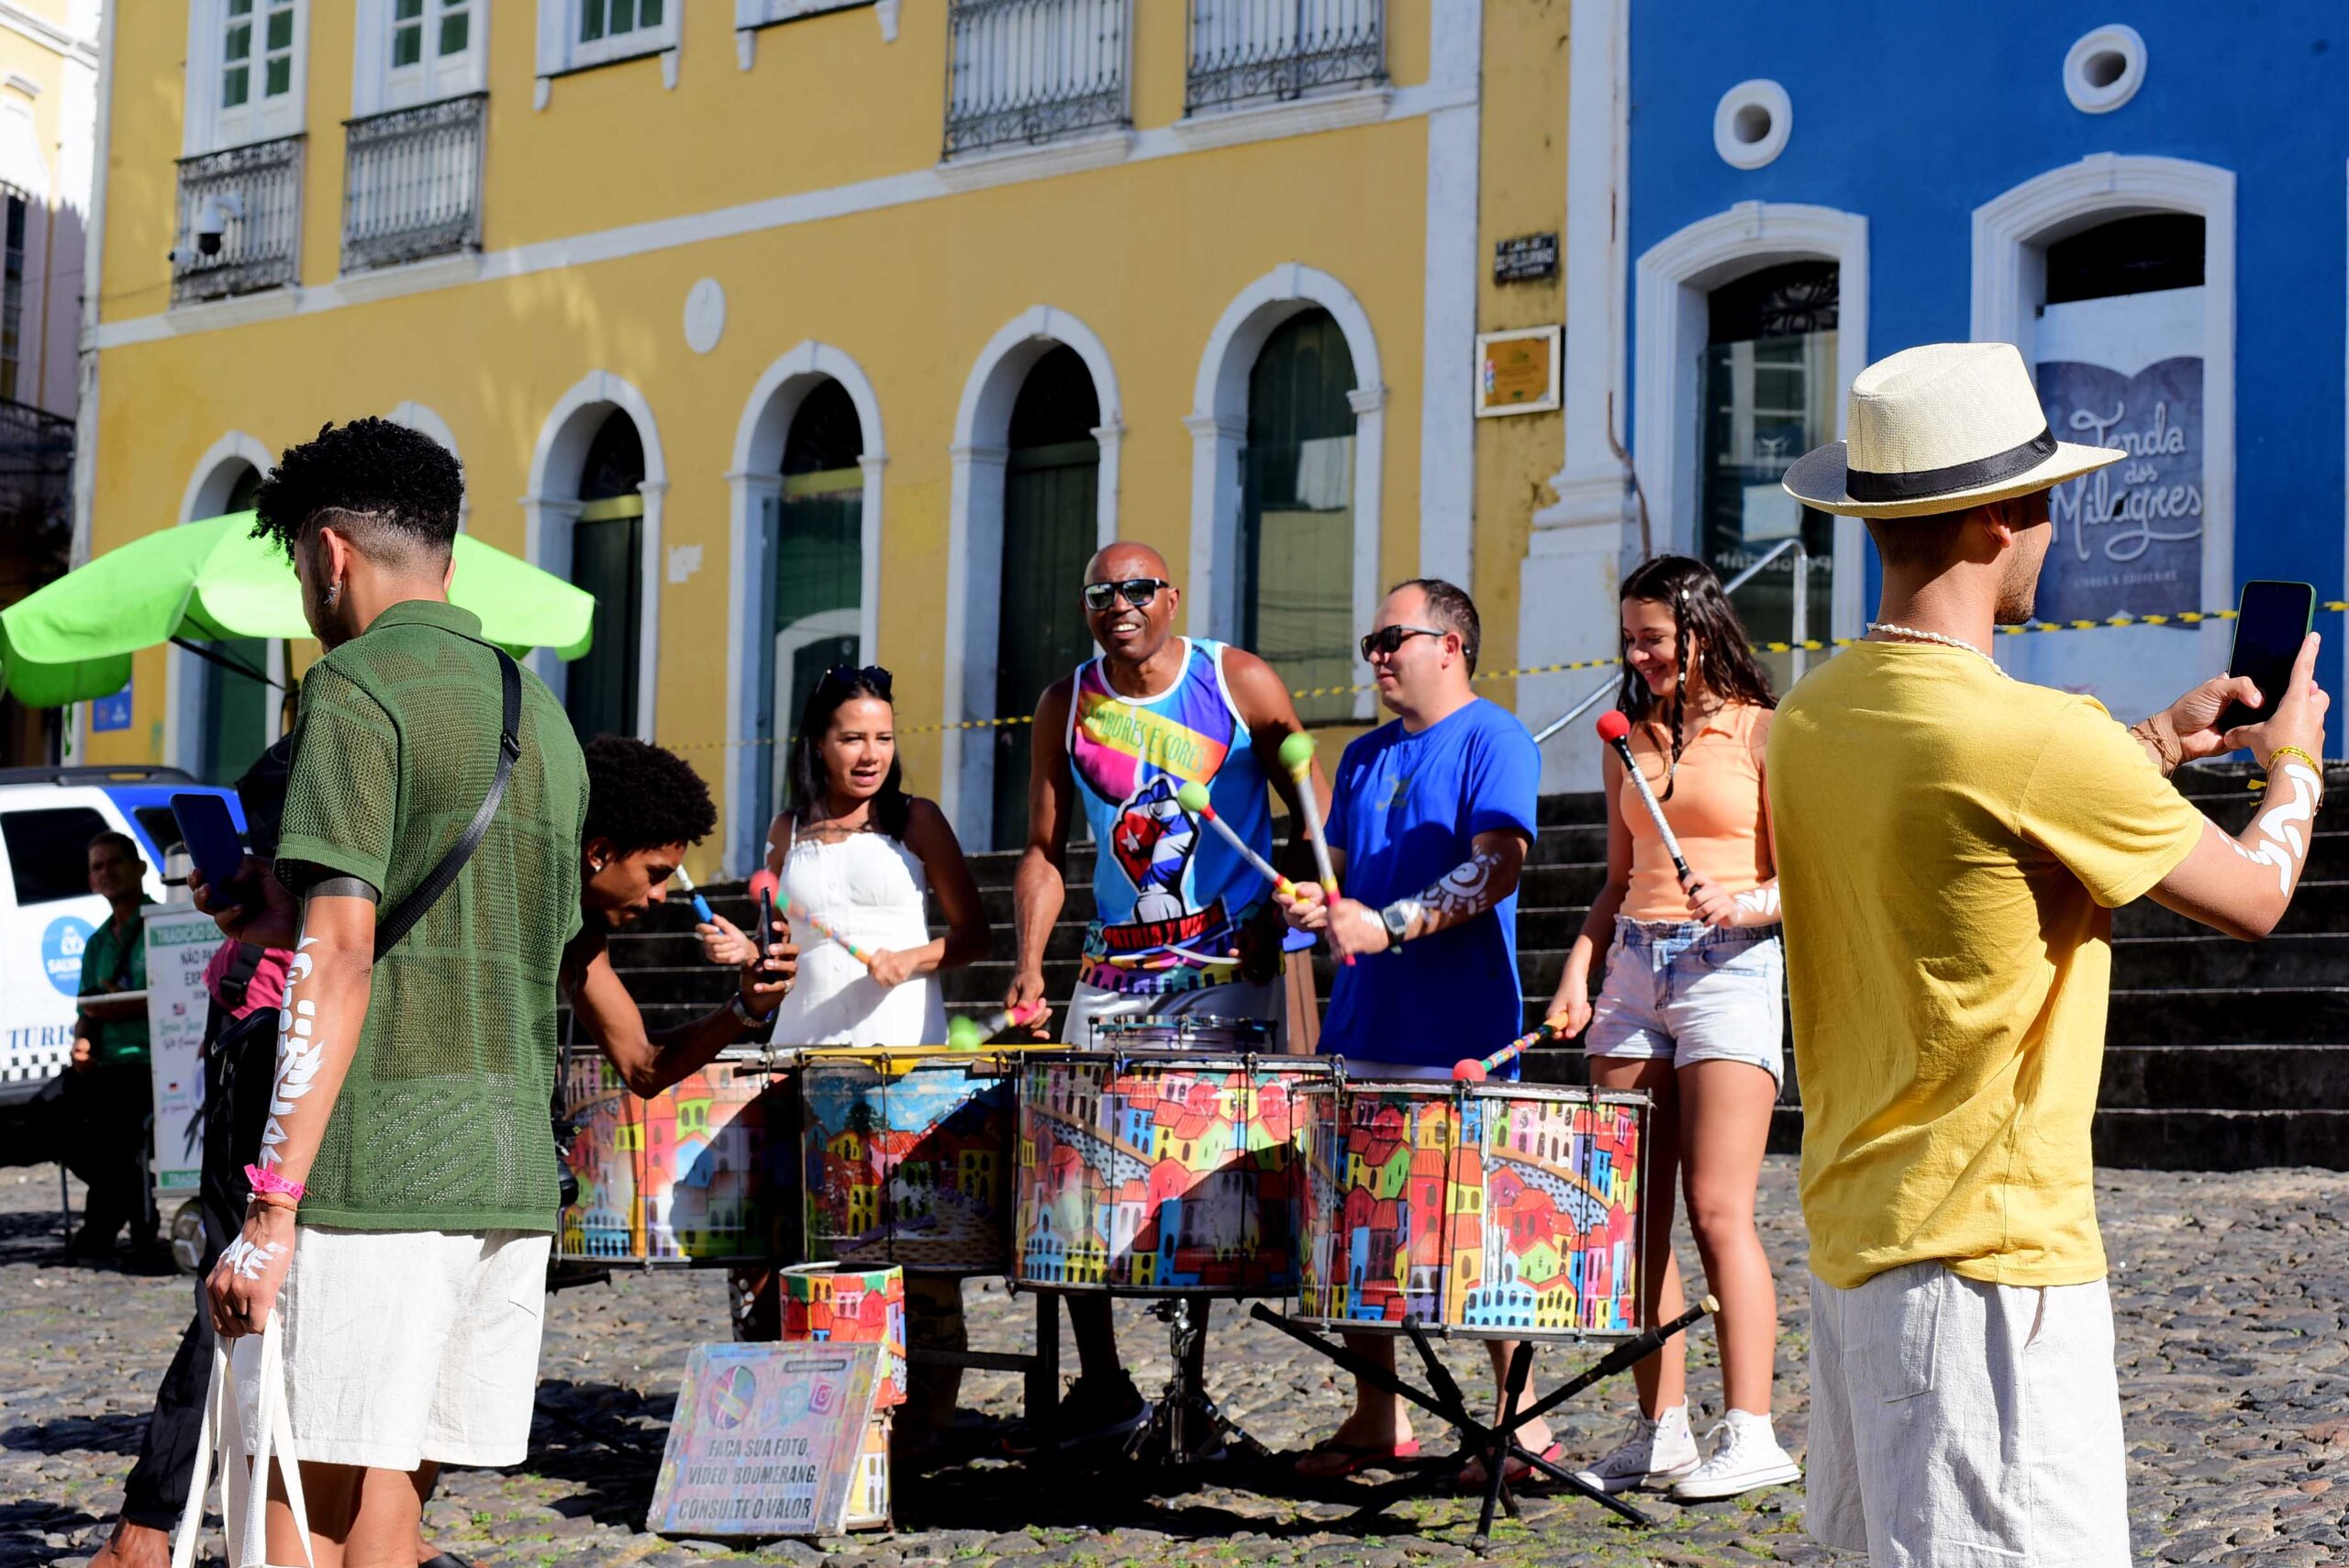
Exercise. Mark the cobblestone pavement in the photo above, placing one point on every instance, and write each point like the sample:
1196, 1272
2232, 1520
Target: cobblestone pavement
2231, 1293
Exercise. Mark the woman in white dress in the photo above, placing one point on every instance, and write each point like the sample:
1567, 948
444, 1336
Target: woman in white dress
857, 852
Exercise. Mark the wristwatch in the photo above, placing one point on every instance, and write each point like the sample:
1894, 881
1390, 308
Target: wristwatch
1398, 917
749, 1019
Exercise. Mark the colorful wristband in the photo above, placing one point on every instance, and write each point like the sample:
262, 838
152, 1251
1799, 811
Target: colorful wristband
2282, 751
265, 1182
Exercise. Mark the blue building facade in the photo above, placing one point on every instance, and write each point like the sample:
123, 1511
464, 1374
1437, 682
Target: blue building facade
2152, 200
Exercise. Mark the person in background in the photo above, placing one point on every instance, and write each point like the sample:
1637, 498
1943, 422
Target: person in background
1430, 819
855, 850
1951, 846
109, 1090
1181, 924
1691, 1013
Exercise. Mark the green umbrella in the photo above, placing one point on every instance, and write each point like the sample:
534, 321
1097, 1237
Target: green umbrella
74, 639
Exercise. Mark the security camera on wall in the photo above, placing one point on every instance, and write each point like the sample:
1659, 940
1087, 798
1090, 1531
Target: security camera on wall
211, 223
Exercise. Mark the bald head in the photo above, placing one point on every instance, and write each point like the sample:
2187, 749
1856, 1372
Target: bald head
1116, 563
1132, 627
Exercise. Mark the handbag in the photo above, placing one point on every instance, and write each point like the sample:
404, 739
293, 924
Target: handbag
221, 1437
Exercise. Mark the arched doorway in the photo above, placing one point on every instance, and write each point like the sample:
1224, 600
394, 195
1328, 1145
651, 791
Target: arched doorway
1767, 394
224, 695
813, 546
1297, 519
1050, 512
608, 562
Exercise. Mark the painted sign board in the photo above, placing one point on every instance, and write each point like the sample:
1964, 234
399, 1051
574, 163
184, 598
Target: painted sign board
1517, 372
768, 1440
180, 942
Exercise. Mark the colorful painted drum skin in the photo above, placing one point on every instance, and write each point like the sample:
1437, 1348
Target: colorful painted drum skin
1505, 1210
1161, 1171
691, 1175
907, 1159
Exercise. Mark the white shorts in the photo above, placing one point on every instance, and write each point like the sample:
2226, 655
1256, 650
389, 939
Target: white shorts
1692, 992
1956, 1424
403, 1346
1090, 1005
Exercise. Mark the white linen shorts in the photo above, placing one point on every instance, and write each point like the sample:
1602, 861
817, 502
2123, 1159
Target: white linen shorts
403, 1346
1692, 992
1090, 1005
1956, 1424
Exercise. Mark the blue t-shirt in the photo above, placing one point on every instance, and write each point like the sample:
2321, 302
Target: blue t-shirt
1405, 810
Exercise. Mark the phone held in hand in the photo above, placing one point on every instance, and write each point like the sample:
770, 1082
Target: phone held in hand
2271, 623
213, 841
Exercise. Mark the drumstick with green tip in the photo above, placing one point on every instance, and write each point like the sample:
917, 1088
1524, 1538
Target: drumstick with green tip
969, 1034
1469, 1070
1193, 798
1297, 756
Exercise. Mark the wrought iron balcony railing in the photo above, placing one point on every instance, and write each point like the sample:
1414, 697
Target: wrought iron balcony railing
36, 471
411, 183
241, 221
1034, 71
1246, 51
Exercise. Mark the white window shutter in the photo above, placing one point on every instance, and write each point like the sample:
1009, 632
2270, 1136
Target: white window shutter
554, 36
750, 12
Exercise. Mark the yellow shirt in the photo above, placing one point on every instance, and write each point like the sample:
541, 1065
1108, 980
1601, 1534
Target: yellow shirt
1950, 845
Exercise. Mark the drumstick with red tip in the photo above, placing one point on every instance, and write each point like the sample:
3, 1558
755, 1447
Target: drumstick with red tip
1612, 729
1297, 756
765, 883
1470, 1071
969, 1034
1193, 798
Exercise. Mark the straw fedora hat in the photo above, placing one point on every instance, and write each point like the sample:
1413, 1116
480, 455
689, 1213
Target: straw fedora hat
1938, 429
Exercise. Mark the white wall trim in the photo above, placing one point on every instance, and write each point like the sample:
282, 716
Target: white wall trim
548, 515
26, 24
2011, 232
974, 529
1674, 276
1448, 319
1219, 427
85, 421
879, 194
426, 420
185, 676
754, 475
1014, 165
1294, 117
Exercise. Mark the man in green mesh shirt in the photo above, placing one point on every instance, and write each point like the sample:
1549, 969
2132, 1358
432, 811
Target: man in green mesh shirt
406, 1197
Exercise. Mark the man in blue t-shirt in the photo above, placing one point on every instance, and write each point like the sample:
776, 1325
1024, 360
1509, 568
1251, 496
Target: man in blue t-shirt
1431, 820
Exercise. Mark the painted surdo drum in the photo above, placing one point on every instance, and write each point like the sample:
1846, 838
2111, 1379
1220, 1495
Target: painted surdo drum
907, 1159
700, 1172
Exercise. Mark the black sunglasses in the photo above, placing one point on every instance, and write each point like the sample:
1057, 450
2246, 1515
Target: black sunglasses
873, 677
1386, 639
1138, 592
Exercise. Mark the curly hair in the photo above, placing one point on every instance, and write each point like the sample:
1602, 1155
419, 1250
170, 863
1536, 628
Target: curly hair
642, 797
1702, 613
396, 489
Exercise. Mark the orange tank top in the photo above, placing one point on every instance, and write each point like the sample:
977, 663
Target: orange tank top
1715, 811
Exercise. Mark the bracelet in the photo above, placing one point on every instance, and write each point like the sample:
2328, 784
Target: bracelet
272, 1200
749, 1019
266, 1183
2276, 756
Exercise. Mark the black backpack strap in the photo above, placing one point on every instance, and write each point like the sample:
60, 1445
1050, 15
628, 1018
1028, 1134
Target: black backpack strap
238, 978
395, 925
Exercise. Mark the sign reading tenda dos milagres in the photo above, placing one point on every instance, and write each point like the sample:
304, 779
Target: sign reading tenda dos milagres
2128, 538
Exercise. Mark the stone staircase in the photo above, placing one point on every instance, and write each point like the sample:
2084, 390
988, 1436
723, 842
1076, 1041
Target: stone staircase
2220, 1055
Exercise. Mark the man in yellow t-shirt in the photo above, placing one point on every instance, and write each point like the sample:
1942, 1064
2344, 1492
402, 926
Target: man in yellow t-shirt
1950, 845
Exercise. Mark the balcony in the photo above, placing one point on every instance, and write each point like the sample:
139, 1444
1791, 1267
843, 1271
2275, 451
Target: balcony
36, 478
1259, 51
411, 183
247, 201
1029, 71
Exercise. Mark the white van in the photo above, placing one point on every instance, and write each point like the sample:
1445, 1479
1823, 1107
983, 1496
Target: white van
48, 816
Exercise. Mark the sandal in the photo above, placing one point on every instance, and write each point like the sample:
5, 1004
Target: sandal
1472, 1478
1354, 1457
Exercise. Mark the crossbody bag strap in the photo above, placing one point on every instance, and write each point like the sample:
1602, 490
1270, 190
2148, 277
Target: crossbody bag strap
395, 925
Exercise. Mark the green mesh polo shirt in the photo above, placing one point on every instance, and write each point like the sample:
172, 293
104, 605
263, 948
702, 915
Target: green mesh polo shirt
441, 1124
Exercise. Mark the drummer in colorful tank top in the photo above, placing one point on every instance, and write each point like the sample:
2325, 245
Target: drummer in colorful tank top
1182, 923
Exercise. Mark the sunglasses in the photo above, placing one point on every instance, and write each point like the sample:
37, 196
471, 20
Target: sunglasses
1137, 591
872, 676
1387, 640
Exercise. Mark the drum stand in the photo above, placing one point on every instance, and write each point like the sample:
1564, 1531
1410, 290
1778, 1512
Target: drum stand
1495, 1446
1186, 1424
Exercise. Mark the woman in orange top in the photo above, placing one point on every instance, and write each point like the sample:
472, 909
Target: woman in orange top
1691, 1011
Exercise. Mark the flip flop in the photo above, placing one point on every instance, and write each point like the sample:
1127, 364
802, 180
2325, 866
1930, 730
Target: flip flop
1472, 1476
1355, 1457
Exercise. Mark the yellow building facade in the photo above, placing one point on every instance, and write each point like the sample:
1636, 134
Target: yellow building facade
805, 332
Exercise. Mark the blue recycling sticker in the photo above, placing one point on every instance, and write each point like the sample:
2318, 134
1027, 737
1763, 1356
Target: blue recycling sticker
61, 953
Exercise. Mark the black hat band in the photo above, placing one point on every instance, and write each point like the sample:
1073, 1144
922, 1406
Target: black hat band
1861, 484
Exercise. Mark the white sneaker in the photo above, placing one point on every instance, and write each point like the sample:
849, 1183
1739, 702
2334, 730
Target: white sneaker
1746, 1457
1655, 1453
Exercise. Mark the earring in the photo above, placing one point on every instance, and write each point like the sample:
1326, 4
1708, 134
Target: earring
595, 865
333, 594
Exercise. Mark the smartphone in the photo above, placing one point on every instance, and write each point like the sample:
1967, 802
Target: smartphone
211, 836
2270, 625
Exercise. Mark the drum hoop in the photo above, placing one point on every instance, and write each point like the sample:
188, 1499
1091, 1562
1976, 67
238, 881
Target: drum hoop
1208, 1061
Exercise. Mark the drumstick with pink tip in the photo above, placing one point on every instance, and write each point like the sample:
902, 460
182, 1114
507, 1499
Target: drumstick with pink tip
1612, 729
1297, 756
1193, 798
765, 881
1470, 1070
969, 1034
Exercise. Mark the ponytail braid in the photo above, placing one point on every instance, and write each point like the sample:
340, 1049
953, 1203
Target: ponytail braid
1679, 696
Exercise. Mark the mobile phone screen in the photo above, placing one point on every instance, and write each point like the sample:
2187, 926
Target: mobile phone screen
2270, 626
211, 836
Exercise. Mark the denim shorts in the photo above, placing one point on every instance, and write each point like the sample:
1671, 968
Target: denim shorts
1692, 992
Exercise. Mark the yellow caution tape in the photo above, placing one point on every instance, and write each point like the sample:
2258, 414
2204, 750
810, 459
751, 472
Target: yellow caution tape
1809, 645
